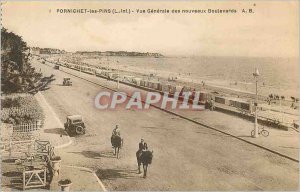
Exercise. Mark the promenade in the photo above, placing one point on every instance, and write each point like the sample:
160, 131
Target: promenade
213, 156
284, 141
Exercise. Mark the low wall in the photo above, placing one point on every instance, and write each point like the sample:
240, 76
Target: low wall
248, 117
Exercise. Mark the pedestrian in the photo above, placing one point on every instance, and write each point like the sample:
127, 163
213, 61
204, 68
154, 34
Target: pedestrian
206, 104
212, 104
293, 105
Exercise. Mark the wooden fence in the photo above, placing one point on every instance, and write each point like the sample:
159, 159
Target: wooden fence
27, 147
25, 128
16, 148
34, 178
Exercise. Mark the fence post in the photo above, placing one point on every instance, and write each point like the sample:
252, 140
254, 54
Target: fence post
10, 145
28, 127
45, 176
24, 181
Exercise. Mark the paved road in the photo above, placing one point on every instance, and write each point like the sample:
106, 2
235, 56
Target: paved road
186, 156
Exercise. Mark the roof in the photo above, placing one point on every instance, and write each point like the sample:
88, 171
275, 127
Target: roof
74, 117
237, 99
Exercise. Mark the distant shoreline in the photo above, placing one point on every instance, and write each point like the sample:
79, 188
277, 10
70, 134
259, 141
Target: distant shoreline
38, 50
120, 53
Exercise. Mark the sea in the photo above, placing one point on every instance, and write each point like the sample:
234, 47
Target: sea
278, 76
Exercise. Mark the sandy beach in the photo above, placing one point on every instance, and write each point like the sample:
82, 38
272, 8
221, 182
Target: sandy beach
240, 89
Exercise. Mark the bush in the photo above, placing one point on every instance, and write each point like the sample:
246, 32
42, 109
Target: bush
21, 110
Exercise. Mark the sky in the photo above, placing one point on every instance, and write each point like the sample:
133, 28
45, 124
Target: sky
271, 31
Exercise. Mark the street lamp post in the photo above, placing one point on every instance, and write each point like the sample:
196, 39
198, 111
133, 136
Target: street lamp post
118, 75
256, 74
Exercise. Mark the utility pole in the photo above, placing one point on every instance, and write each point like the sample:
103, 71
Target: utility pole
256, 74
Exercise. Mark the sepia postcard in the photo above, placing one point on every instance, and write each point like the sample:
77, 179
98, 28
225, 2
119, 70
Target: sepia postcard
150, 95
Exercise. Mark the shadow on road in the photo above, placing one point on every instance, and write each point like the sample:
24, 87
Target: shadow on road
107, 154
289, 147
96, 155
162, 128
112, 174
217, 134
58, 131
244, 136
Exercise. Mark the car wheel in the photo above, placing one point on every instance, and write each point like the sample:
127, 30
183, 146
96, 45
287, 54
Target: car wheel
79, 130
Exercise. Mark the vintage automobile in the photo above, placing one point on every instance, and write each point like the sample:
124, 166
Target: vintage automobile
75, 125
67, 82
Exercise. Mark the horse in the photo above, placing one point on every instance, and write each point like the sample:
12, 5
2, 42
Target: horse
144, 157
117, 143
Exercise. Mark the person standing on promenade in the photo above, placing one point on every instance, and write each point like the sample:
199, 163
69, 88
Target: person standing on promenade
212, 104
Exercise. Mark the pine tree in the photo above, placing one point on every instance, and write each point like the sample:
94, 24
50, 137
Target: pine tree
17, 75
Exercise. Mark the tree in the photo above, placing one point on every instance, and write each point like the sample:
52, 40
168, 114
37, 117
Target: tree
17, 75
